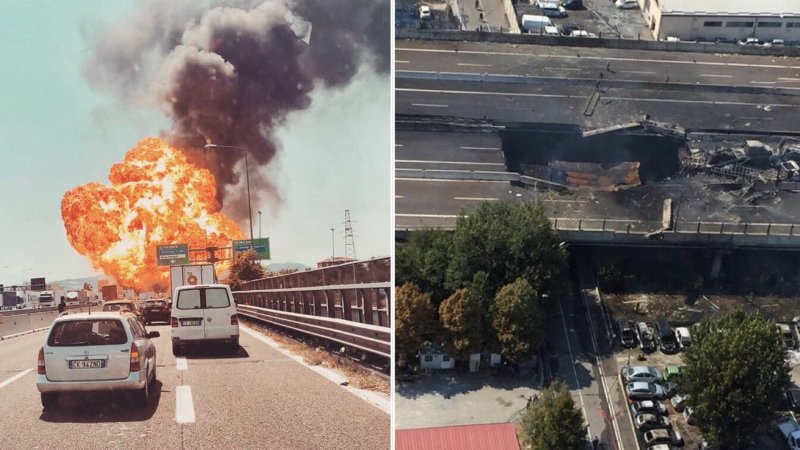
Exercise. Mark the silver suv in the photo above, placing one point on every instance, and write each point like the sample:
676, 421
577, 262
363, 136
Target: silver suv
101, 351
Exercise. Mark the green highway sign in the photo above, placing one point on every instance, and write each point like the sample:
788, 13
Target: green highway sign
261, 246
172, 255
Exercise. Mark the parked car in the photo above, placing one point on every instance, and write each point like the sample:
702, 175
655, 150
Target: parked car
678, 402
123, 305
665, 336
640, 390
568, 28
683, 337
100, 351
551, 31
663, 437
640, 373
204, 313
646, 422
673, 373
793, 397
751, 41
775, 42
670, 389
646, 339
625, 333
155, 311
785, 332
582, 33
424, 12
688, 414
626, 4
553, 10
573, 4
648, 406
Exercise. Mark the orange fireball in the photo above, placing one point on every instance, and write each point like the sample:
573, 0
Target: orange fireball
156, 197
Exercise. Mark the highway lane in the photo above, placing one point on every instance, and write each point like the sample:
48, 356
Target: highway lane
258, 398
455, 151
617, 64
558, 103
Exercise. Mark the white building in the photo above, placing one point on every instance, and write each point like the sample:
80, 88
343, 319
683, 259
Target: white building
728, 20
432, 356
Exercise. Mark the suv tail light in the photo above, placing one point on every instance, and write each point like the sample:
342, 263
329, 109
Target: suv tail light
135, 364
174, 322
234, 319
41, 369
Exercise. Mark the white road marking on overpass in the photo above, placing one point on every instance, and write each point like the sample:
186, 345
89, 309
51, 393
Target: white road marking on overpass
477, 199
181, 364
430, 216
429, 105
763, 82
602, 58
479, 148
451, 181
447, 91
184, 407
397, 61
14, 378
563, 68
469, 163
715, 75
398, 145
638, 72
474, 65
399, 196
705, 102
789, 79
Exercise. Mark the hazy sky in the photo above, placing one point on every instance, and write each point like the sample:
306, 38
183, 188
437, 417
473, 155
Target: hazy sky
56, 133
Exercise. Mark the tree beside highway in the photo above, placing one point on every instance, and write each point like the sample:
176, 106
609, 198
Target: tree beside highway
553, 421
245, 268
462, 316
415, 321
518, 318
735, 375
423, 260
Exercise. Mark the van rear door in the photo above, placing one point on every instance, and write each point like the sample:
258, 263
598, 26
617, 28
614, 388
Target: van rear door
189, 314
218, 310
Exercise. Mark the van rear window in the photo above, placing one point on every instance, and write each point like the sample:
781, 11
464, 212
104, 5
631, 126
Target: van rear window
188, 299
72, 333
217, 298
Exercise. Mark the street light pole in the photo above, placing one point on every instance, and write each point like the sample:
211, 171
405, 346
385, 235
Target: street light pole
247, 178
259, 224
333, 251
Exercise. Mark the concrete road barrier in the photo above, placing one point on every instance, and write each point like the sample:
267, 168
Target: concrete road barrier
21, 321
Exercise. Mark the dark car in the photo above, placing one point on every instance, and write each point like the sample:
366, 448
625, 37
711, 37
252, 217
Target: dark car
568, 28
793, 398
573, 5
627, 338
155, 311
646, 339
666, 336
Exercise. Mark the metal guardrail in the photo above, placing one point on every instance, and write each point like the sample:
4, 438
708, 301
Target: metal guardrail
368, 338
627, 226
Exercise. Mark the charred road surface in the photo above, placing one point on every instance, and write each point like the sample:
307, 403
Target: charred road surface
257, 398
595, 87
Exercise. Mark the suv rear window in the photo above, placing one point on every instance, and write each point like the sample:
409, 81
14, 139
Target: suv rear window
72, 333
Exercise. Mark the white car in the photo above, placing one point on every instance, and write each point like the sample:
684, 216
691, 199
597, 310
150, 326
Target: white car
551, 31
640, 373
684, 337
640, 390
204, 314
424, 12
100, 351
750, 41
626, 4
582, 33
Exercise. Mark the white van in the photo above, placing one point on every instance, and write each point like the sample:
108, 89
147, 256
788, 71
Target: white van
204, 313
535, 24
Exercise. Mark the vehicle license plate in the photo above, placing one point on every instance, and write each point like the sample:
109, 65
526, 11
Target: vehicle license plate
87, 364
190, 323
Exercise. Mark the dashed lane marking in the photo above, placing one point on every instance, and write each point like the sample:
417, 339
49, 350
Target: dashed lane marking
184, 407
14, 378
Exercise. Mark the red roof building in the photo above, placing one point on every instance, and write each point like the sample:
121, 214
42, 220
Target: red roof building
494, 436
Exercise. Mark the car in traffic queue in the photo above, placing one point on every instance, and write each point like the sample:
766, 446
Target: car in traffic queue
123, 305
204, 314
155, 311
640, 390
640, 373
647, 421
100, 351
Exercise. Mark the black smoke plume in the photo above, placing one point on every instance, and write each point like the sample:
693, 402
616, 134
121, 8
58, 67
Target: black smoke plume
229, 72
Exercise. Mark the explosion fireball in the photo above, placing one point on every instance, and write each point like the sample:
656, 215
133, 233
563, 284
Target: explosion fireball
156, 197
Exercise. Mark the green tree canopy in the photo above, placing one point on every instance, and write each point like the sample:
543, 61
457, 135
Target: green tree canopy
245, 267
735, 373
518, 319
507, 240
415, 321
462, 315
553, 422
423, 260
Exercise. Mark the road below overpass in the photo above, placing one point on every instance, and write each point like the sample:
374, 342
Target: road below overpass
257, 398
593, 87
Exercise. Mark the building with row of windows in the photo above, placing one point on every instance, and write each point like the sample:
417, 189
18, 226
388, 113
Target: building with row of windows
726, 20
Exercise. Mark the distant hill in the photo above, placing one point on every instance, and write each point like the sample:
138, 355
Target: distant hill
277, 267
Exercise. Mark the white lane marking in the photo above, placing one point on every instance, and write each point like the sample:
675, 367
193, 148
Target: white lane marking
184, 407
447, 91
479, 148
434, 216
563, 68
474, 65
789, 79
399, 196
429, 105
763, 82
477, 199
373, 398
181, 364
715, 75
574, 370
398, 145
601, 58
397, 61
14, 378
449, 162
640, 72
450, 181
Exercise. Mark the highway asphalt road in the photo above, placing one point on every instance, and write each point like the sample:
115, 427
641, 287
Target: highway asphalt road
258, 398
595, 87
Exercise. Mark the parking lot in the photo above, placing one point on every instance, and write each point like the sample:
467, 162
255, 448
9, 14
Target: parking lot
600, 17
